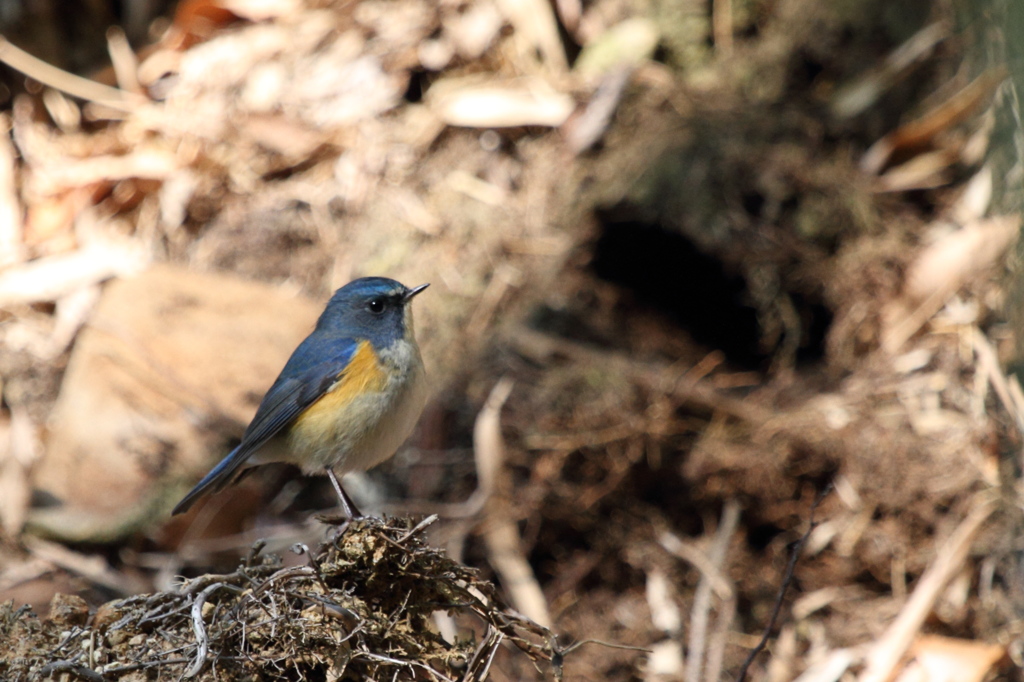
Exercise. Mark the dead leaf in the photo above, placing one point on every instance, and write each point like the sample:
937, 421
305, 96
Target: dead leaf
522, 102
945, 659
954, 260
919, 134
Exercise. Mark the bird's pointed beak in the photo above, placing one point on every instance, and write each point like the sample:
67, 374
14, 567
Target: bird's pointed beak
415, 290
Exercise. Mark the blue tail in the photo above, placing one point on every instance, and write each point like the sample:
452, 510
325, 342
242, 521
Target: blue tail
219, 476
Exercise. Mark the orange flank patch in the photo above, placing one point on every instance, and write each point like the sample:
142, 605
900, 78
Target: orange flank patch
363, 374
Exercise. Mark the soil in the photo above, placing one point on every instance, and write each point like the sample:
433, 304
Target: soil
725, 357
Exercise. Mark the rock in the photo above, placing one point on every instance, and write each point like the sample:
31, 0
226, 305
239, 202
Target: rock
67, 610
171, 364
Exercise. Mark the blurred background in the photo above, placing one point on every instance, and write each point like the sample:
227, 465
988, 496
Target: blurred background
695, 265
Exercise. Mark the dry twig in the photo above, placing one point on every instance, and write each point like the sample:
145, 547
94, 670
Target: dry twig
702, 598
890, 647
369, 593
47, 74
786, 582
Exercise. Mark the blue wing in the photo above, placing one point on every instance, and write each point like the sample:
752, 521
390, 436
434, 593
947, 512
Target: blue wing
309, 373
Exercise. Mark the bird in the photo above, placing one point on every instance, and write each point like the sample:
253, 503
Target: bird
348, 397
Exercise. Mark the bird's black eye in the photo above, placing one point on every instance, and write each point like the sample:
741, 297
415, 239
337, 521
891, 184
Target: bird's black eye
375, 306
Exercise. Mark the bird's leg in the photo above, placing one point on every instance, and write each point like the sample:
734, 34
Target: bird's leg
351, 510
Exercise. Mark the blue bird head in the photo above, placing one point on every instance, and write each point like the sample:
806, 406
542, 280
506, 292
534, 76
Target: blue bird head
373, 308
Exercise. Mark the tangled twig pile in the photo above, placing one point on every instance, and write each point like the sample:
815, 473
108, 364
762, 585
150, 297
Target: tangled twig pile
360, 608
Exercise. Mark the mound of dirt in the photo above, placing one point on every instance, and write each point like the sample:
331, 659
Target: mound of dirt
363, 607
